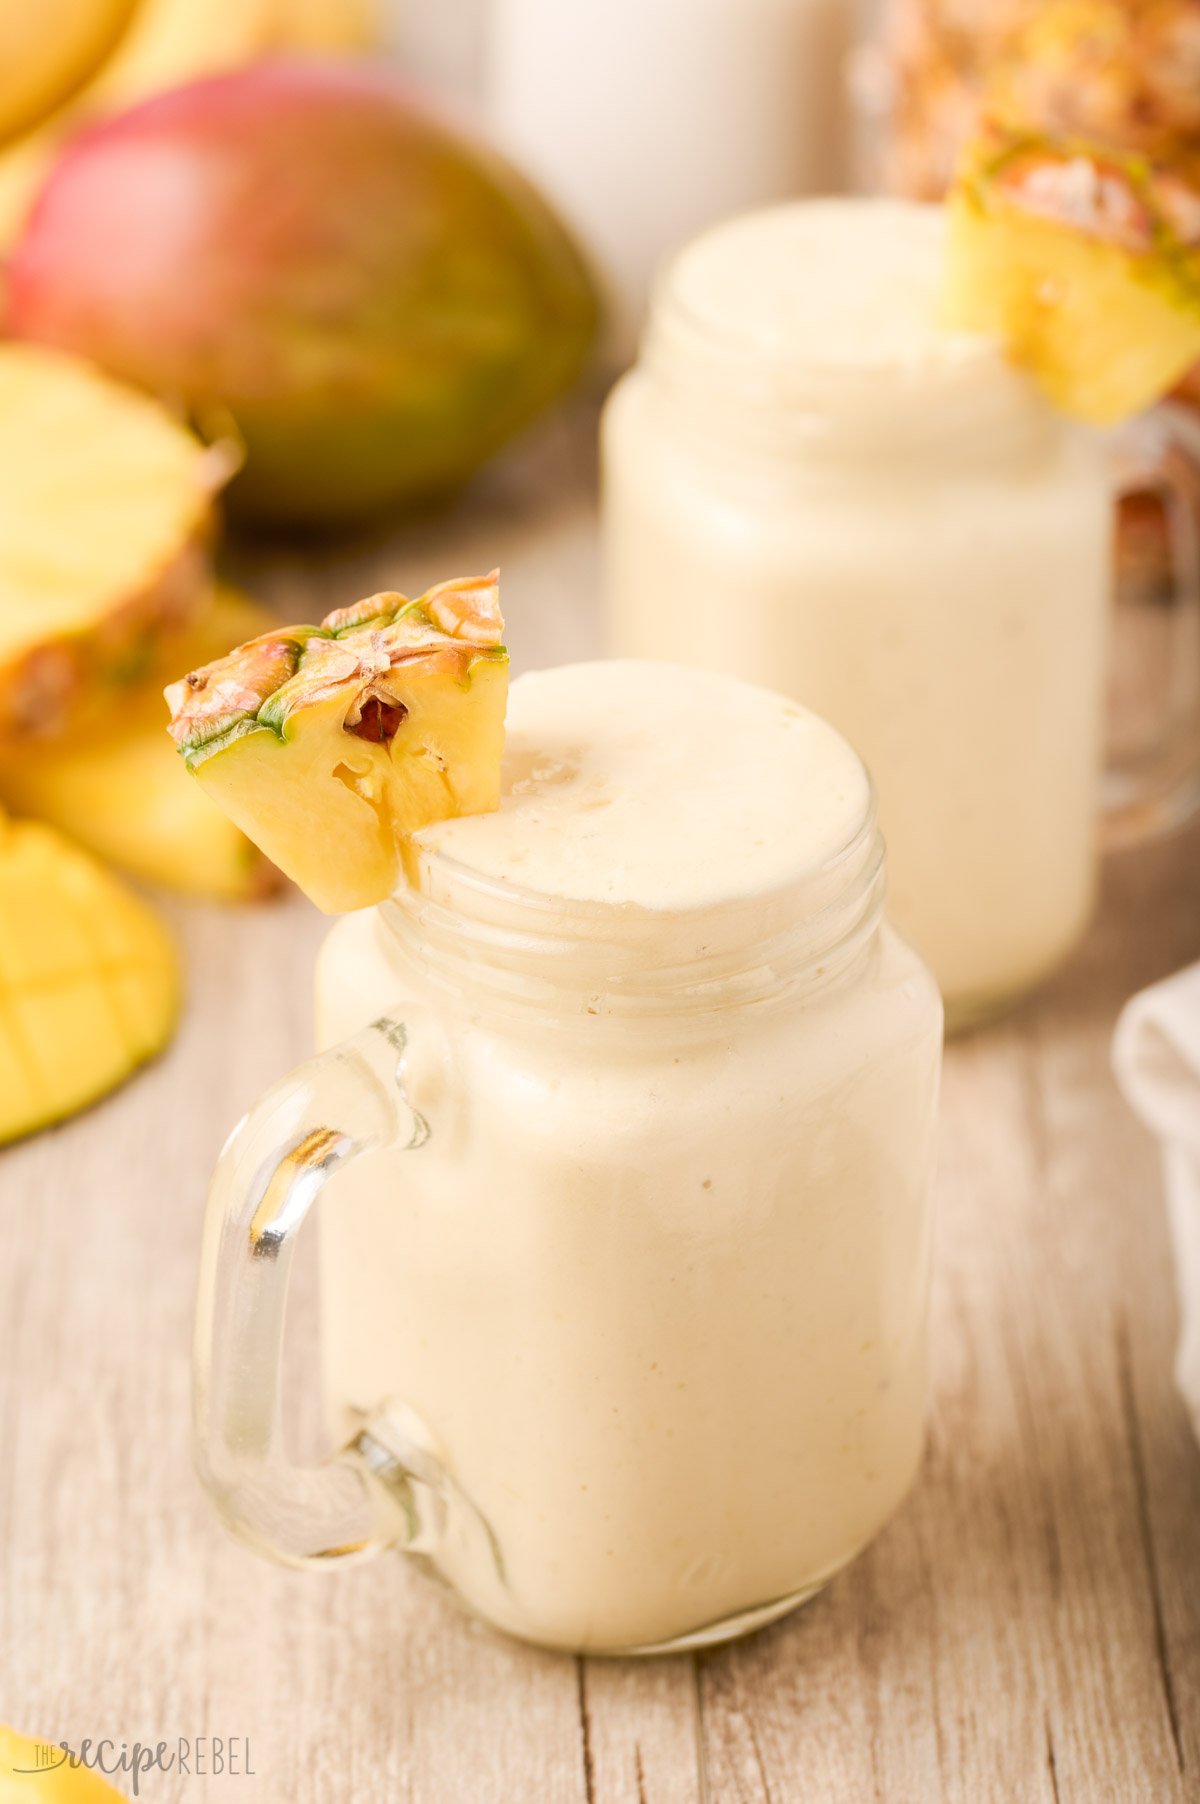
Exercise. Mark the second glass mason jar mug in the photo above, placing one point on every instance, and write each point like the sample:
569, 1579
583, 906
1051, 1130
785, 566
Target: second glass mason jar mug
624, 1254
809, 484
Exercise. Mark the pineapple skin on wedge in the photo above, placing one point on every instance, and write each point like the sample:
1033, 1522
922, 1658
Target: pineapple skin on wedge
89, 979
1087, 263
329, 746
114, 783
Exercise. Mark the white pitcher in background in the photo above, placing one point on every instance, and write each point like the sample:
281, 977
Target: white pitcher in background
646, 122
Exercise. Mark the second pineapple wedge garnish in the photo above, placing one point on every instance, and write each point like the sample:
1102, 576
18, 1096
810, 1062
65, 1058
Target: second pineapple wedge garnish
1087, 262
330, 745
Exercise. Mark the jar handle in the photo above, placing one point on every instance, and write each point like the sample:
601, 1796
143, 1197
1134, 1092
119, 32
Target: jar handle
381, 1490
1152, 780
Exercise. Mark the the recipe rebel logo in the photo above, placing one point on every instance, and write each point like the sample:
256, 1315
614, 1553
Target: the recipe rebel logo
199, 1756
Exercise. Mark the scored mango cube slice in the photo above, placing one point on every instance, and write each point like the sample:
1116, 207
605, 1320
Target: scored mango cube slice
89, 980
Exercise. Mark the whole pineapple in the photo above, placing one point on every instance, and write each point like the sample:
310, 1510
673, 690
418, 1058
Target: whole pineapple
1125, 73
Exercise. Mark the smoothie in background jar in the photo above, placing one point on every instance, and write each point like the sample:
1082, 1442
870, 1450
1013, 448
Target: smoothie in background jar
811, 483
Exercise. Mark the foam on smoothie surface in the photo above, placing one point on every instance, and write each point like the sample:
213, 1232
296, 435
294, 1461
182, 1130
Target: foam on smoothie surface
845, 285
660, 786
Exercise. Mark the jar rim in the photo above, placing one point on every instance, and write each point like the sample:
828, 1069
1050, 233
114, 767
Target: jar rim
625, 958
799, 401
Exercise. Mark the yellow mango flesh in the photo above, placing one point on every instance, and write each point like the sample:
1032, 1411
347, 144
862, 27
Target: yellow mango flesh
125, 795
89, 980
116, 784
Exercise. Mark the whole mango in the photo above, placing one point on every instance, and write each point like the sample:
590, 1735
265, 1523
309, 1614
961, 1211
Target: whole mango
375, 301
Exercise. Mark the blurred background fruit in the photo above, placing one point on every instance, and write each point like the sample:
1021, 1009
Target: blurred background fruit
154, 45
116, 784
1125, 73
327, 24
376, 302
105, 516
1095, 75
89, 981
49, 50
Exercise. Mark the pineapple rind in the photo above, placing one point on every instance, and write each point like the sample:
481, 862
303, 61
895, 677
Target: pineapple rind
248, 689
220, 741
1158, 253
329, 745
1103, 312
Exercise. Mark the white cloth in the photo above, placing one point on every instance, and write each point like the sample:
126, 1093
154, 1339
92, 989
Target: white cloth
1156, 1056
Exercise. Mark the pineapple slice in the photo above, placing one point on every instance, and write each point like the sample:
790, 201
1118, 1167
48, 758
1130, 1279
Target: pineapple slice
115, 784
1086, 262
105, 506
89, 982
329, 745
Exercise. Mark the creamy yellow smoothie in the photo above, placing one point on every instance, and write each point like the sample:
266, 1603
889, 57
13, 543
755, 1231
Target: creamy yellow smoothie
812, 483
652, 1293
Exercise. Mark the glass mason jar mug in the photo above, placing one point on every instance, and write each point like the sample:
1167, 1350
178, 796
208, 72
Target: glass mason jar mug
624, 1248
811, 483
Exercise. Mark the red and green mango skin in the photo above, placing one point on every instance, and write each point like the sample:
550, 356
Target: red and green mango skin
375, 301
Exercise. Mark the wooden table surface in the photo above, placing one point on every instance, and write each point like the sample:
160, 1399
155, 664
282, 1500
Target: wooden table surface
1028, 1628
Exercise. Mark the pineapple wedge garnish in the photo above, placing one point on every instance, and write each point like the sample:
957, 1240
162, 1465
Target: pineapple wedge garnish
330, 745
105, 511
115, 784
1086, 262
89, 980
